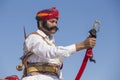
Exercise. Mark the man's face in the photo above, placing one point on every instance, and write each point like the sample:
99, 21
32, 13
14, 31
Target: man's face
52, 24
49, 26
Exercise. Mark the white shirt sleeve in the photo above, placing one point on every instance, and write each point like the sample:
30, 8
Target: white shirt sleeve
39, 47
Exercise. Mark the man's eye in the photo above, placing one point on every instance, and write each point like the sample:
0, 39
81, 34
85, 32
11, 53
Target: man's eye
53, 21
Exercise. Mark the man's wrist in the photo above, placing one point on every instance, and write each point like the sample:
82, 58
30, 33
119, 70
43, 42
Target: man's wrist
80, 46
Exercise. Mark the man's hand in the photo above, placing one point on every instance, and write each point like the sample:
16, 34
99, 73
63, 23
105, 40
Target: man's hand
87, 43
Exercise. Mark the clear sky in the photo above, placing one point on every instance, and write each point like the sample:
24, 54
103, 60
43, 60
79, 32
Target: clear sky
76, 19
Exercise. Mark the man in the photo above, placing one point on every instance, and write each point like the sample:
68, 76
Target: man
44, 60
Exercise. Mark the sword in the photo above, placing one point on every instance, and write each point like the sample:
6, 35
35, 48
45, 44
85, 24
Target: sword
89, 53
20, 66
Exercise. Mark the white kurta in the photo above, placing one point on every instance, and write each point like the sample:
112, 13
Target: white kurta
44, 52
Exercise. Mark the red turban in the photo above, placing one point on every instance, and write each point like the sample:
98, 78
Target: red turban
47, 14
13, 77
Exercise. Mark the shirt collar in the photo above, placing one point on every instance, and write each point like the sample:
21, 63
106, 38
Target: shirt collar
44, 35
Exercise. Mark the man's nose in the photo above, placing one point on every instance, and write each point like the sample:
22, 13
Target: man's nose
54, 24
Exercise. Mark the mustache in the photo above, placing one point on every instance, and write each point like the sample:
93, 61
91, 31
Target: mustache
51, 28
54, 28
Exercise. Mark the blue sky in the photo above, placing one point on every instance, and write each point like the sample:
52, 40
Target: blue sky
76, 19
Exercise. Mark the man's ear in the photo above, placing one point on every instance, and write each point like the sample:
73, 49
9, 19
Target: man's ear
39, 24
42, 23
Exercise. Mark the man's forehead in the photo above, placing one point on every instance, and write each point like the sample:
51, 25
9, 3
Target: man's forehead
53, 19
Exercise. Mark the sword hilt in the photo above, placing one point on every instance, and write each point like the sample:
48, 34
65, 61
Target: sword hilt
92, 33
